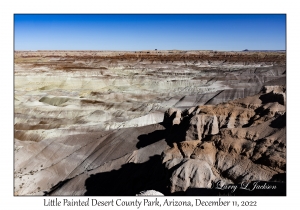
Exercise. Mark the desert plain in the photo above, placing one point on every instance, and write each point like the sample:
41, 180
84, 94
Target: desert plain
178, 122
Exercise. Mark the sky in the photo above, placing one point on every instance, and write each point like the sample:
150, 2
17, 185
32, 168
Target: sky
132, 32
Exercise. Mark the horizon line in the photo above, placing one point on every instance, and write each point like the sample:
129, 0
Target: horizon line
245, 50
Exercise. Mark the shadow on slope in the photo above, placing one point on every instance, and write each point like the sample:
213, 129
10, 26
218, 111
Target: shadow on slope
129, 180
279, 122
150, 138
171, 134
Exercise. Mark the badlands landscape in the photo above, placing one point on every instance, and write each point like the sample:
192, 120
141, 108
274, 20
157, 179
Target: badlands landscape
178, 122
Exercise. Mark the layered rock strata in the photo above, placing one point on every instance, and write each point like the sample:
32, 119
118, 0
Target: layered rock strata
236, 142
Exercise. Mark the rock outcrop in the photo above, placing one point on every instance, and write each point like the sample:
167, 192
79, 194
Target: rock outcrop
240, 141
149, 193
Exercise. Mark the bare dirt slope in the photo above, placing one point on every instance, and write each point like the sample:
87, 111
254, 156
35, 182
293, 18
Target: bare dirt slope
99, 123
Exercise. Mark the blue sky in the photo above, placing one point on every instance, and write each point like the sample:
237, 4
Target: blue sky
147, 32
